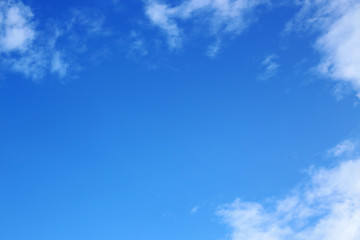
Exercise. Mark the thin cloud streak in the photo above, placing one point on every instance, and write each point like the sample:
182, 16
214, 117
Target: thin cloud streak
221, 17
270, 66
346, 147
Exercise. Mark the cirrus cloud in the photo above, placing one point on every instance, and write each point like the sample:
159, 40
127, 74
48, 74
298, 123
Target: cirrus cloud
221, 17
53, 49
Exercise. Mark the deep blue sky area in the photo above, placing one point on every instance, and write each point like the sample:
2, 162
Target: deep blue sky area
141, 140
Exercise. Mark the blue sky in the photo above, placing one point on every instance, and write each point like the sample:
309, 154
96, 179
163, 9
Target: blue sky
187, 119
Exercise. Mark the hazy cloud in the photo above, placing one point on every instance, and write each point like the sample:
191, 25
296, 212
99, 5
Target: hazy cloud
327, 207
214, 48
195, 209
269, 66
36, 52
337, 21
345, 147
17, 30
220, 17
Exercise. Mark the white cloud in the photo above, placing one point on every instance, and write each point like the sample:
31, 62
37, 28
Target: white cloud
338, 23
23, 48
270, 67
58, 65
339, 45
318, 14
219, 16
160, 14
327, 207
16, 26
345, 147
39, 59
33, 64
37, 52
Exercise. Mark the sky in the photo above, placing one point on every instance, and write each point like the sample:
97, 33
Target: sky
184, 119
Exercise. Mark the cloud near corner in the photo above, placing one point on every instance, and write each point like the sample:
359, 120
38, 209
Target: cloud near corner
326, 207
36, 52
336, 23
17, 30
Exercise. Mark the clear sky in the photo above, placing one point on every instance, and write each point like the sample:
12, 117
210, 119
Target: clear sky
181, 120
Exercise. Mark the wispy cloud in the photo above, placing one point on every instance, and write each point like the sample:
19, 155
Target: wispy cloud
58, 65
327, 207
161, 15
270, 66
214, 48
337, 21
220, 17
138, 45
35, 52
17, 40
346, 147
17, 30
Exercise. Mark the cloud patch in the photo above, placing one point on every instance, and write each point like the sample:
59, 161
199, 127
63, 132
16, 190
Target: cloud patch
53, 49
17, 30
326, 207
338, 24
219, 17
346, 147
270, 66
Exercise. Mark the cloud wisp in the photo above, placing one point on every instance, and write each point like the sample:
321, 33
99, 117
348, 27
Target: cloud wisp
346, 147
326, 207
270, 66
219, 17
337, 21
34, 52
16, 27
